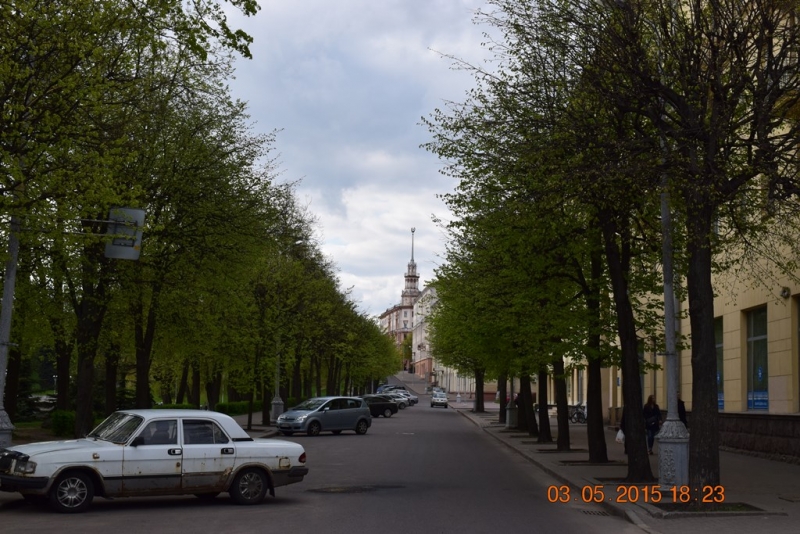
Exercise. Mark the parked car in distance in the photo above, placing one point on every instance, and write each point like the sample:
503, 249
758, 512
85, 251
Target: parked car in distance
439, 399
326, 414
402, 402
380, 405
152, 452
386, 388
412, 399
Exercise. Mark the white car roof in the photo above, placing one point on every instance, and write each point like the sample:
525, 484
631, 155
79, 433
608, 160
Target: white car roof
227, 422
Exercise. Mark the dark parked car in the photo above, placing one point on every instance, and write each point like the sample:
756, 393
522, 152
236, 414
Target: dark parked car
380, 405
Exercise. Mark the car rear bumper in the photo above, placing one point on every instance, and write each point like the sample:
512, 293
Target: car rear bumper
294, 474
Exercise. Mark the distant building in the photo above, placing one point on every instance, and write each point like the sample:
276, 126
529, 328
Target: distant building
424, 364
398, 321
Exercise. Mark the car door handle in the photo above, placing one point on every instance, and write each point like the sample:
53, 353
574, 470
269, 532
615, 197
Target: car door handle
227, 450
175, 452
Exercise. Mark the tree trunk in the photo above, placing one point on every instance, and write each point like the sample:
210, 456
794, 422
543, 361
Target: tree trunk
480, 373
266, 405
704, 467
545, 436
62, 347
526, 414
562, 409
144, 331
183, 385
111, 368
63, 363
297, 382
90, 319
213, 388
12, 381
195, 394
595, 431
502, 393
618, 259
598, 451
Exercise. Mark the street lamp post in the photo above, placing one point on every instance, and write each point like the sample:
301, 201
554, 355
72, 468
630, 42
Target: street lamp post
277, 401
6, 428
511, 407
673, 438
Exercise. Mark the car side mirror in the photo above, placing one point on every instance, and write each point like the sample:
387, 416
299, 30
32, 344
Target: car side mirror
138, 440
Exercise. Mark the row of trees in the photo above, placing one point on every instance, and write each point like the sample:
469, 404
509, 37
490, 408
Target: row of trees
562, 153
124, 103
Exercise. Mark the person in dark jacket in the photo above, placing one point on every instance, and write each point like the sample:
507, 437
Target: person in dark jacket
652, 421
682, 411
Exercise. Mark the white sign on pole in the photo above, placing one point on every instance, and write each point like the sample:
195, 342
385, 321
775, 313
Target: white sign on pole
125, 225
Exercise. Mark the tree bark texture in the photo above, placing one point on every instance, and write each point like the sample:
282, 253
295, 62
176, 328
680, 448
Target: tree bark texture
545, 435
562, 408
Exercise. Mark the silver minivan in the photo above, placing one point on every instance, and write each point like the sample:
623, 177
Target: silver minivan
326, 414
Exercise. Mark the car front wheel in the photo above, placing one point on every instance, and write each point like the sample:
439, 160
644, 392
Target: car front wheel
387, 412
361, 427
73, 492
249, 487
313, 428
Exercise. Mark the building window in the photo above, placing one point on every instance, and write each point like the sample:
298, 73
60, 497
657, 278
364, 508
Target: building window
720, 365
405, 313
757, 371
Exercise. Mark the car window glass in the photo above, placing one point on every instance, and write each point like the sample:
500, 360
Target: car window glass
310, 404
352, 403
160, 432
200, 432
117, 428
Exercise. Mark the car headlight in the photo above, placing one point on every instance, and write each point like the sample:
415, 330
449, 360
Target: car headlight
24, 467
301, 418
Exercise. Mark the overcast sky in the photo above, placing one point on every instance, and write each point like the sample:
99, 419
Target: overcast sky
347, 83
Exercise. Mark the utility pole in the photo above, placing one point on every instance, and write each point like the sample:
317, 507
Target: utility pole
6, 428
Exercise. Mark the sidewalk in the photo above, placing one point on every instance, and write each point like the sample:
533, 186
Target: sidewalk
771, 486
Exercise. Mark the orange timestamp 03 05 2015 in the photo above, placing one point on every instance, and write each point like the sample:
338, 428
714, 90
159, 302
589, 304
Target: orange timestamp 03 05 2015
636, 494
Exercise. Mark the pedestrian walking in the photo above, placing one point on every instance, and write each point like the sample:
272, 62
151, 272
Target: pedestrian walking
621, 438
652, 421
682, 411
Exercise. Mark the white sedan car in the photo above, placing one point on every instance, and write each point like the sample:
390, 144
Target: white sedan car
152, 452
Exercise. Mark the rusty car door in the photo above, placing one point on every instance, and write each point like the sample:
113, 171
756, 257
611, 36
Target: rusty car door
209, 456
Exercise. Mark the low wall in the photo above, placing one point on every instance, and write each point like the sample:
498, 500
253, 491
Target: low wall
769, 435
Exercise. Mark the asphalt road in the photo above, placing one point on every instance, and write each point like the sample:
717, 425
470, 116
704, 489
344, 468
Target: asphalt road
426, 470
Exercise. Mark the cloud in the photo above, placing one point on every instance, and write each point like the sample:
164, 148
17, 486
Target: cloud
348, 82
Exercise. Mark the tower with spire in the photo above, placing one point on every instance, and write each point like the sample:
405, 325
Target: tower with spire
411, 291
398, 321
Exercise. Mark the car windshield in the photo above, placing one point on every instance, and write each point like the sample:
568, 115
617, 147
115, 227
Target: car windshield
117, 428
310, 404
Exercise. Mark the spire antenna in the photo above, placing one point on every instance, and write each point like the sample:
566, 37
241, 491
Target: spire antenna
412, 242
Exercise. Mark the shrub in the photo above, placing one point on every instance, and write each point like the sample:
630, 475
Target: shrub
63, 422
175, 407
233, 408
